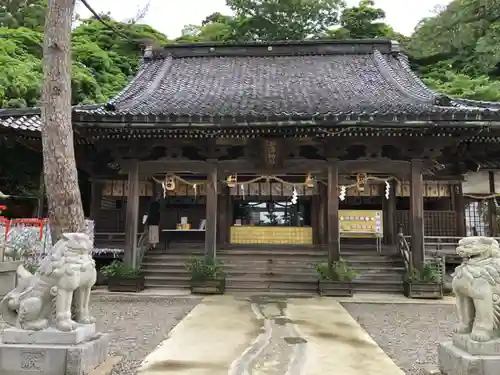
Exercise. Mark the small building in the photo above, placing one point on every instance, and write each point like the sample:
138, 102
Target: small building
253, 144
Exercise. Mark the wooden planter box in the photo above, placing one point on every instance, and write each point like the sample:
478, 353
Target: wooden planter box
208, 286
335, 288
423, 290
129, 284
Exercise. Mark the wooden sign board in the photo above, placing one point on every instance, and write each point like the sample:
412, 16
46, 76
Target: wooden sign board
360, 223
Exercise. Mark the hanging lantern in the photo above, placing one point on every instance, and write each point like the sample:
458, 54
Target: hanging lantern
231, 181
360, 181
309, 181
170, 183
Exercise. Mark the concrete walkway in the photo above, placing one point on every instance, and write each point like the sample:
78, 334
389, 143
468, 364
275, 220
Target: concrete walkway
227, 335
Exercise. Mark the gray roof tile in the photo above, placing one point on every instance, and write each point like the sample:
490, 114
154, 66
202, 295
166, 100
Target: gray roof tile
365, 82
275, 81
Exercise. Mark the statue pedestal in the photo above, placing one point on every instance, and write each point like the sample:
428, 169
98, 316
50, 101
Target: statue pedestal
52, 352
462, 356
50, 335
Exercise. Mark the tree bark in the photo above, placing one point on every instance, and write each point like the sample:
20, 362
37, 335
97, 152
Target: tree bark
61, 178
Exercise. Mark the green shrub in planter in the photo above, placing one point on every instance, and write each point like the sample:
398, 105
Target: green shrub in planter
426, 283
207, 275
337, 281
123, 277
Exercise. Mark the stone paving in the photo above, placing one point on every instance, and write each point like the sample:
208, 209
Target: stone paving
268, 336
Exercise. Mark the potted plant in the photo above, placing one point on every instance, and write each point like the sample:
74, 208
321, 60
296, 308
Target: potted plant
123, 277
207, 276
337, 281
426, 283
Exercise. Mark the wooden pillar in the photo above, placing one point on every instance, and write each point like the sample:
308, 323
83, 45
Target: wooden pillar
40, 204
389, 218
95, 198
492, 209
323, 217
417, 214
459, 207
333, 212
132, 218
222, 223
315, 218
211, 213
230, 216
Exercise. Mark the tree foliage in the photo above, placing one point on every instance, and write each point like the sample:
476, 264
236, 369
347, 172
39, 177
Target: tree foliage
102, 62
457, 51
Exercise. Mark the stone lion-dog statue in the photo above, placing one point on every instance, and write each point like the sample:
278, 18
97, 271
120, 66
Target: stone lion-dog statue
58, 292
476, 283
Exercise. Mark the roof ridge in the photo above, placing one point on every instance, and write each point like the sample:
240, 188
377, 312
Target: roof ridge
158, 78
392, 78
403, 60
274, 48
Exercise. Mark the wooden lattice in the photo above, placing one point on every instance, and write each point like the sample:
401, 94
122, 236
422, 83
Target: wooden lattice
436, 223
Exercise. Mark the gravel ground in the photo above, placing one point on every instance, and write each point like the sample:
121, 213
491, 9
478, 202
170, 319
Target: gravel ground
408, 333
137, 325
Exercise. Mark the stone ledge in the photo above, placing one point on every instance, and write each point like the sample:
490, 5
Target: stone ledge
455, 361
52, 336
464, 342
31, 359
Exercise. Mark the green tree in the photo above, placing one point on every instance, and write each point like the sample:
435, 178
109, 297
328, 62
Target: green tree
363, 21
284, 19
23, 13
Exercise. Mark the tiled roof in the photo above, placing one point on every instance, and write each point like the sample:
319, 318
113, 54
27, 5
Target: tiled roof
363, 80
303, 80
29, 119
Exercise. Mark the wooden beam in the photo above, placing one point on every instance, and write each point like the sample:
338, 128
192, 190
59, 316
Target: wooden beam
211, 212
333, 212
132, 218
492, 209
417, 214
381, 166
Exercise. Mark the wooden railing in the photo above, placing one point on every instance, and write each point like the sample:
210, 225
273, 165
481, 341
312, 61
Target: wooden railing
405, 251
142, 245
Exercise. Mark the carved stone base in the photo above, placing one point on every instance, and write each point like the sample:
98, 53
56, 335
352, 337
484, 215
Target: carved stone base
51, 335
456, 361
31, 359
476, 348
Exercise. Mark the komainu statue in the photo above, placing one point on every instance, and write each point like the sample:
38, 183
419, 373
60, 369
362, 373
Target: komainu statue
58, 292
476, 283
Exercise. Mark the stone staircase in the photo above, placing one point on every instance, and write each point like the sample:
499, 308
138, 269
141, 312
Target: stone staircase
284, 269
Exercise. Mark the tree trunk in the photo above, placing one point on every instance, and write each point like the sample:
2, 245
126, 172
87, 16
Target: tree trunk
61, 178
